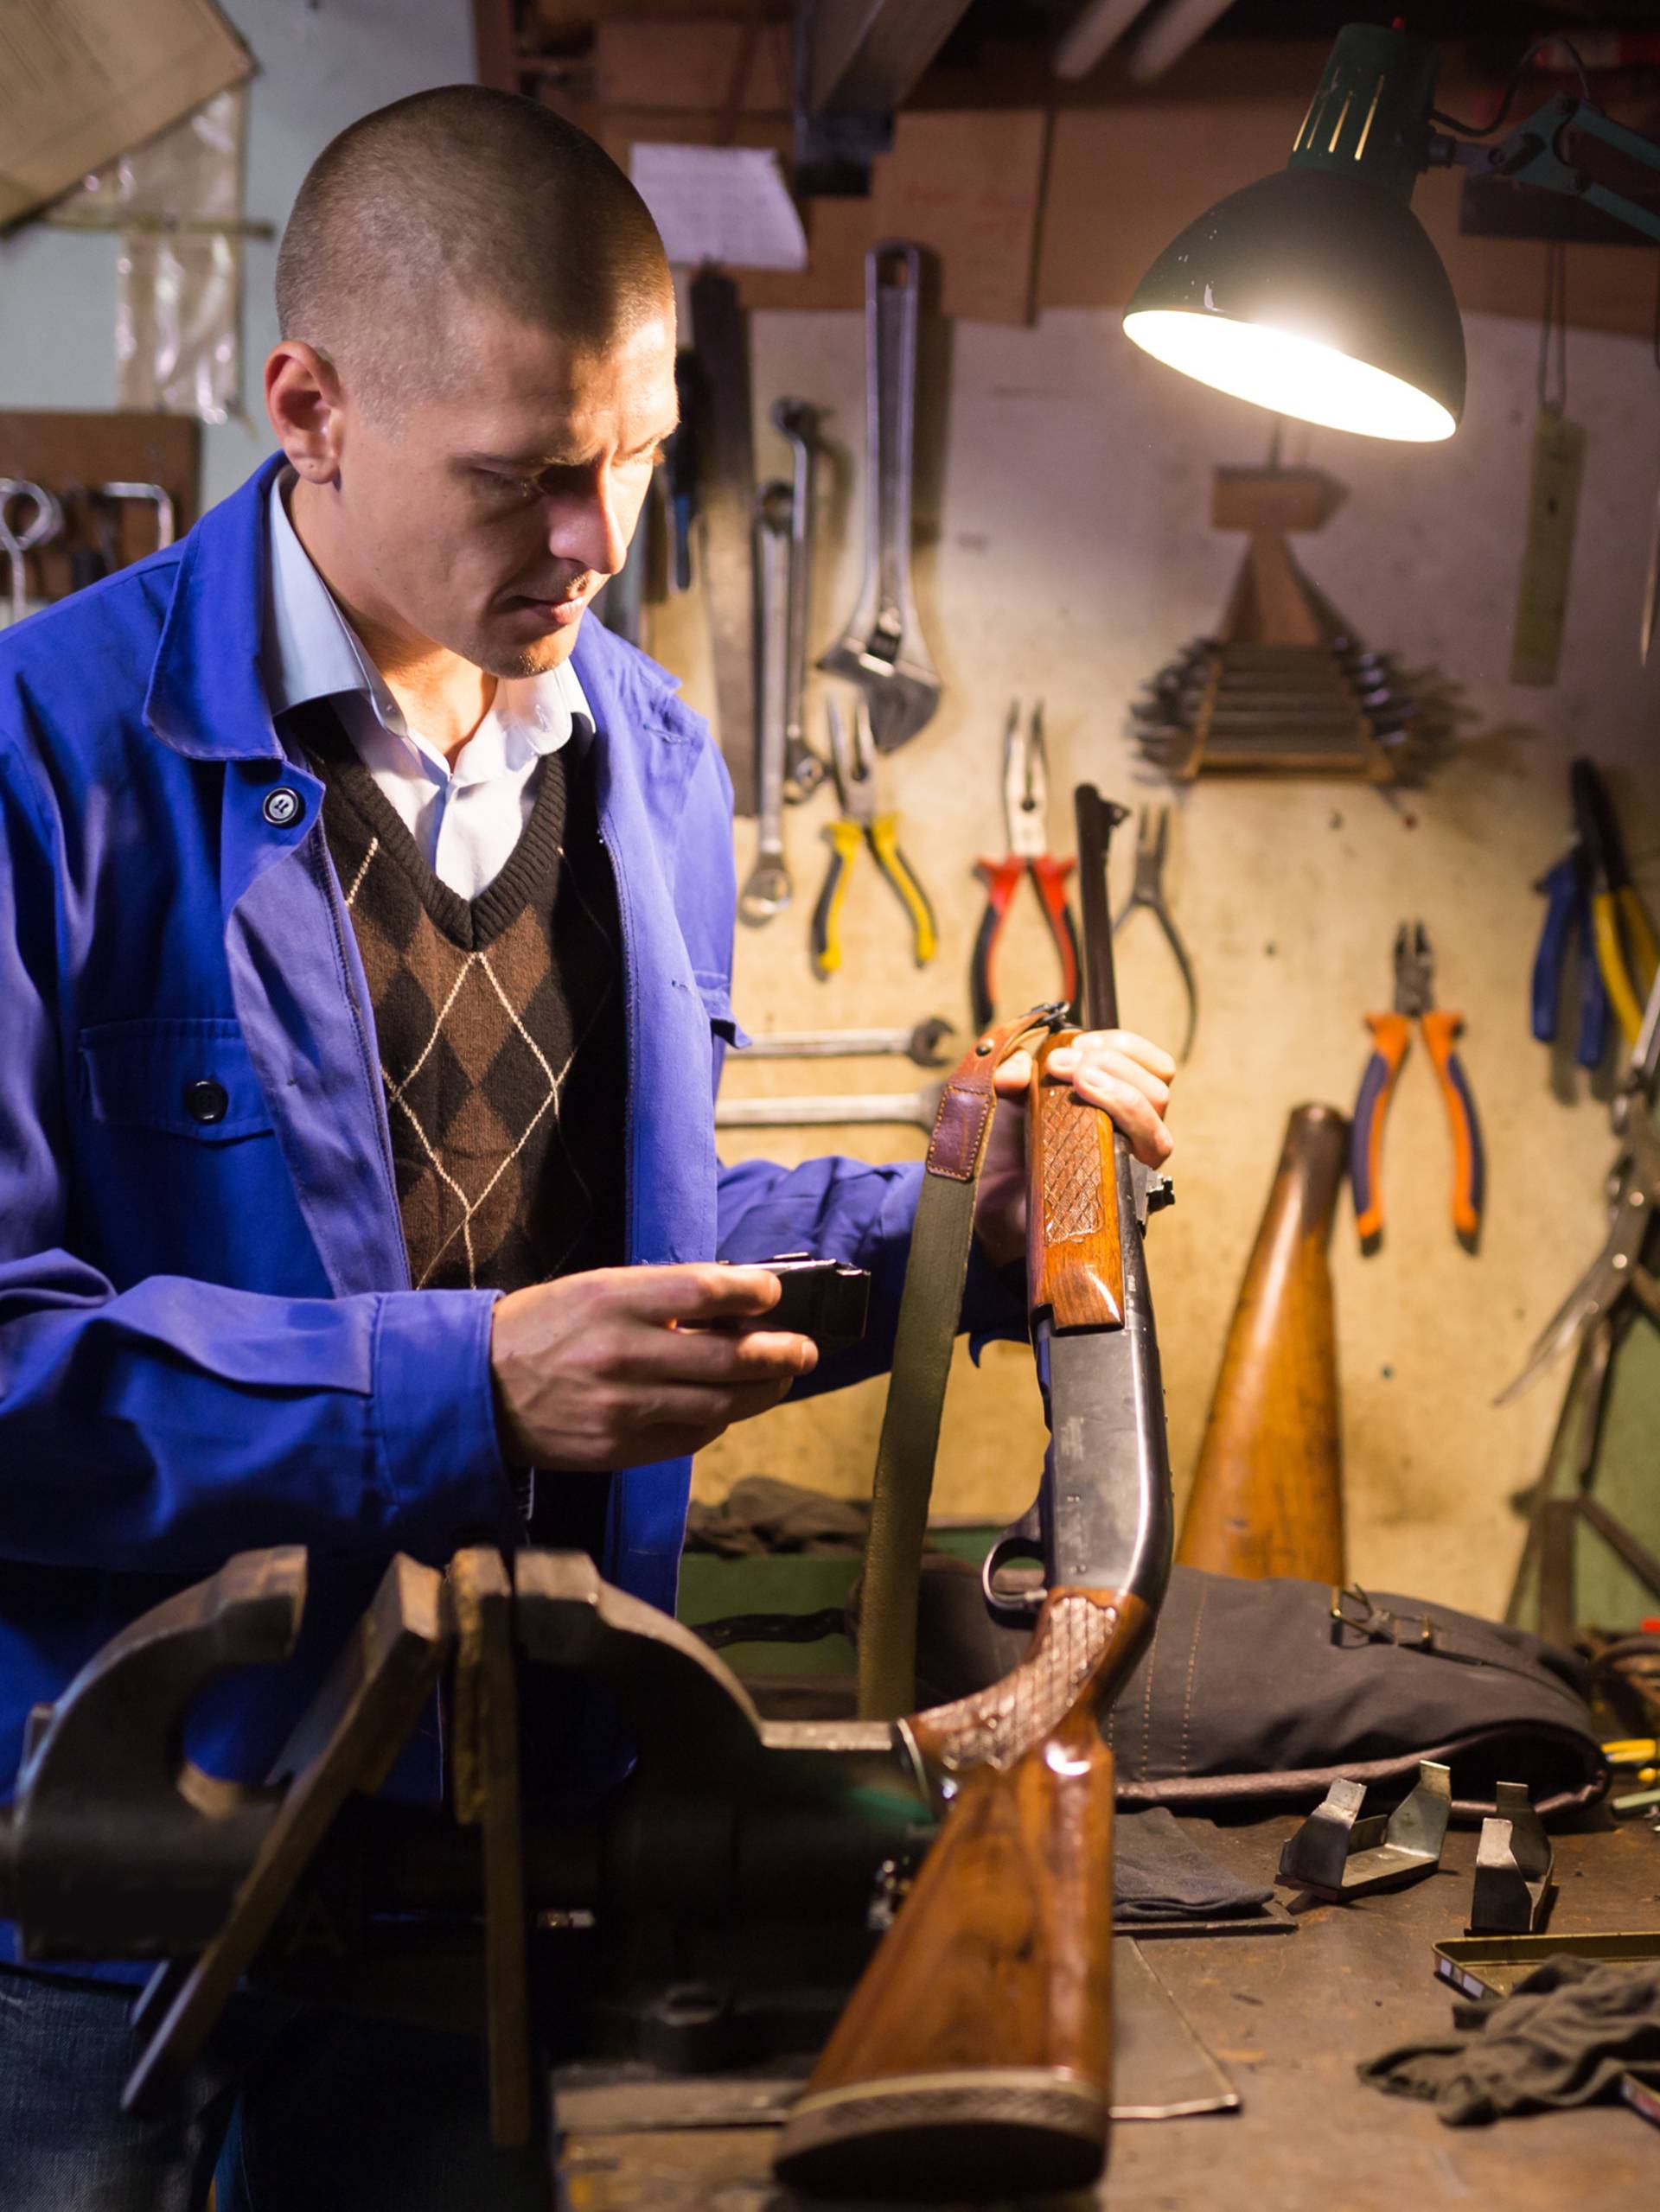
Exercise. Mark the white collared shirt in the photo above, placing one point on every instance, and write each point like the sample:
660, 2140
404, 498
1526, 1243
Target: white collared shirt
465, 819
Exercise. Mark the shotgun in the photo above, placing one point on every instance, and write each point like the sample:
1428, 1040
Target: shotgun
1267, 1496
973, 2058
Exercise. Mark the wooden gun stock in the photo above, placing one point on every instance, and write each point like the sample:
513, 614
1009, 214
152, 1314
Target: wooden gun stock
973, 2059
1267, 1497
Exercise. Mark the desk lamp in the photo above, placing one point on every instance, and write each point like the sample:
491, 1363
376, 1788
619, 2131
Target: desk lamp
1317, 292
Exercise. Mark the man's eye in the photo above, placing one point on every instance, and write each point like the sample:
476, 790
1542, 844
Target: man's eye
521, 488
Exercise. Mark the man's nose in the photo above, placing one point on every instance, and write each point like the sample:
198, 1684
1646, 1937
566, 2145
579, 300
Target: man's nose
591, 527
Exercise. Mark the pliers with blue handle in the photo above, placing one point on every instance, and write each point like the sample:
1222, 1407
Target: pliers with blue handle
1567, 913
1415, 999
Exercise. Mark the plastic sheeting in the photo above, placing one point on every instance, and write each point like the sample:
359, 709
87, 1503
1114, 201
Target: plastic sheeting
179, 301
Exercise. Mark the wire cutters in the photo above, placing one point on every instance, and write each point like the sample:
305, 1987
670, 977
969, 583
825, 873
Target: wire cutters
1415, 999
1025, 808
1626, 952
1152, 843
860, 823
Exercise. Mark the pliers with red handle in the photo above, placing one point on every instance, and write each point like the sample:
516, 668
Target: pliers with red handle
1026, 805
1415, 999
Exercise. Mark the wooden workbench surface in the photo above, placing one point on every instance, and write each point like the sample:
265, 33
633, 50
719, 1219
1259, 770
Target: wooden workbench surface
1288, 2016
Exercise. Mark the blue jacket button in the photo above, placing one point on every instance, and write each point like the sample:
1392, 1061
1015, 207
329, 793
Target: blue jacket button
282, 807
206, 1100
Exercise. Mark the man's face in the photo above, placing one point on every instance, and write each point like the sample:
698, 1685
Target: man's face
486, 521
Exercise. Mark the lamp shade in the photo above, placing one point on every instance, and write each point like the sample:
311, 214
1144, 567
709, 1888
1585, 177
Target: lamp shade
1317, 292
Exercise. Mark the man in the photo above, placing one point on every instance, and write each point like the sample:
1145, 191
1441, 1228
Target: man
366, 923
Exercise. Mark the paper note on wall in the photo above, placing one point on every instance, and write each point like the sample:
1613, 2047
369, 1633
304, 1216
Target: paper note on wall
720, 203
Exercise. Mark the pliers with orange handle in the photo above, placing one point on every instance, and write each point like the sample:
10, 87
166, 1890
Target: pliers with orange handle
1415, 999
1025, 807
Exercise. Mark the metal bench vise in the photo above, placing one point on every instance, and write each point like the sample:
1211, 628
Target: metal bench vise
713, 1908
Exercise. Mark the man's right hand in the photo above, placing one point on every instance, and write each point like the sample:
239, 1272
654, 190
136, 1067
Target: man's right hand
630, 1365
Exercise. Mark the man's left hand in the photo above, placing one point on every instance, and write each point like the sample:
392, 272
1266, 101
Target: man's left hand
1124, 1074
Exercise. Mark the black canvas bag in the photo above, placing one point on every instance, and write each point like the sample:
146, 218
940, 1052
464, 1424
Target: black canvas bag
1258, 1695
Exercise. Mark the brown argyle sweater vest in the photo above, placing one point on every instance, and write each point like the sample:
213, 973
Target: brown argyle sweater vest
500, 1022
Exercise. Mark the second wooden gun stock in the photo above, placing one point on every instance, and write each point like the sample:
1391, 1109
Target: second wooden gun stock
1267, 1496
974, 2060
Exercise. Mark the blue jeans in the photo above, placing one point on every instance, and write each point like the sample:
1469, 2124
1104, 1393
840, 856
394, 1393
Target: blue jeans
296, 2109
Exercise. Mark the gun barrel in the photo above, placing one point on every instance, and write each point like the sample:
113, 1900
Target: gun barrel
1096, 819
1268, 1495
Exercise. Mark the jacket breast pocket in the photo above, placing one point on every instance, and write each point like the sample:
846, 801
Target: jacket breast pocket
185, 1076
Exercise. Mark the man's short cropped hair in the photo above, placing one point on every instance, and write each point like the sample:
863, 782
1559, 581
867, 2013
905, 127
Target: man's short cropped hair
451, 199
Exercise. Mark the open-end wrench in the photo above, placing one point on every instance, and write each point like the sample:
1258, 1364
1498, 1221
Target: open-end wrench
914, 1108
921, 1043
767, 891
804, 771
882, 648
18, 537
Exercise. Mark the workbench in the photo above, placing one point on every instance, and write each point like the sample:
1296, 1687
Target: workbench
1289, 2016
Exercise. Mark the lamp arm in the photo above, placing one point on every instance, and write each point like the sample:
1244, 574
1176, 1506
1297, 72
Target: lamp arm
1560, 148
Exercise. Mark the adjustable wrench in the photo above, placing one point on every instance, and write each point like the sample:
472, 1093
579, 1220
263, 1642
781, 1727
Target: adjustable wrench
914, 1108
767, 891
882, 648
804, 770
921, 1043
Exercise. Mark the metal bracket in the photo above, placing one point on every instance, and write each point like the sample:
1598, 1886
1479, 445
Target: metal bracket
345, 1742
1338, 1855
855, 61
1514, 1861
113, 1832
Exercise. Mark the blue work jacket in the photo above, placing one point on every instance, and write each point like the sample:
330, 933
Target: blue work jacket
209, 1340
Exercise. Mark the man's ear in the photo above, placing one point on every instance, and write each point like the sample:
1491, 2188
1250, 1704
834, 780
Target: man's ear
303, 399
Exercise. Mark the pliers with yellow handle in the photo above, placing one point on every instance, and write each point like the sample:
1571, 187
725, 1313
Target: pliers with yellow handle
1415, 999
853, 759
1626, 952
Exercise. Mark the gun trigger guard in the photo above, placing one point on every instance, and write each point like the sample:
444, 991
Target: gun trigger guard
1023, 1539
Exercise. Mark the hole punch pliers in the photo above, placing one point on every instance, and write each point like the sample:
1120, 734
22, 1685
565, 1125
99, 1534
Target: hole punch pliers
853, 761
1025, 807
1414, 1000
1152, 843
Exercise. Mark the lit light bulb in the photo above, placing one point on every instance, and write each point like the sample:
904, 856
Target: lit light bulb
1293, 375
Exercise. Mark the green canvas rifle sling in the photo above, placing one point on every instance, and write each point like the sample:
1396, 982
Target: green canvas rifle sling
929, 1309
